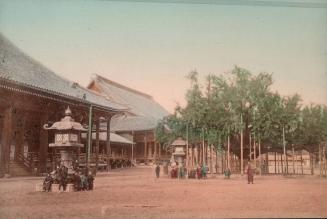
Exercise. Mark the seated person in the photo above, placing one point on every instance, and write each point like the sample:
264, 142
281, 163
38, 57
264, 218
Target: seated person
77, 181
47, 183
84, 184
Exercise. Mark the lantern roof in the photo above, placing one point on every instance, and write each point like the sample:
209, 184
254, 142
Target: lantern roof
179, 142
66, 123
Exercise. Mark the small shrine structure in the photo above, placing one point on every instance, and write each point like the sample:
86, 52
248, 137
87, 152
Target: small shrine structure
67, 139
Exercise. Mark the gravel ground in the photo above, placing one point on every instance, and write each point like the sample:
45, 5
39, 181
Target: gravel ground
135, 193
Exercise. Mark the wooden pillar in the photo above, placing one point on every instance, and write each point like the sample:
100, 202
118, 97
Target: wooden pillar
89, 139
6, 138
159, 145
155, 150
97, 144
132, 146
19, 136
150, 155
44, 145
145, 146
108, 145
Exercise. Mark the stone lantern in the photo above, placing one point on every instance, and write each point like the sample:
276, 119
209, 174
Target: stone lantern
179, 150
67, 139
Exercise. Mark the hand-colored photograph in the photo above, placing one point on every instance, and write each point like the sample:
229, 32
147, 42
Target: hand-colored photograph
163, 109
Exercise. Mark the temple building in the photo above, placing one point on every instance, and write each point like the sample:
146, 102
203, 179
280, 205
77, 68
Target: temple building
31, 95
139, 124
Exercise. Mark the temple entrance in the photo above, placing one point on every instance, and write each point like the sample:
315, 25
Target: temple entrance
12, 152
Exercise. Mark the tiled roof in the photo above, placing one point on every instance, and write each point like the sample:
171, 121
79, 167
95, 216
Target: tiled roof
132, 123
146, 111
139, 103
113, 138
19, 68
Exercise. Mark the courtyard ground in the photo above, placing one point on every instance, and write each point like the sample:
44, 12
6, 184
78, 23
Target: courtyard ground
135, 193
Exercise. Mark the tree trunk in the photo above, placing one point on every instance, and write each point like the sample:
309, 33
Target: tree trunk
312, 163
211, 169
275, 163
228, 153
286, 164
293, 160
320, 160
281, 160
223, 160
254, 153
192, 150
260, 161
216, 160
250, 156
301, 163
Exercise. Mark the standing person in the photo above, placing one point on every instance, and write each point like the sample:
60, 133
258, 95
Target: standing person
157, 170
64, 175
198, 172
59, 177
227, 173
204, 171
249, 172
216, 167
90, 180
181, 172
185, 171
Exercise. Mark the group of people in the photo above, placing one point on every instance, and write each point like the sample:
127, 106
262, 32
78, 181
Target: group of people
201, 172
177, 170
82, 182
58, 176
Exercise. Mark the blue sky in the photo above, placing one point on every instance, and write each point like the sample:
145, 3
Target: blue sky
152, 46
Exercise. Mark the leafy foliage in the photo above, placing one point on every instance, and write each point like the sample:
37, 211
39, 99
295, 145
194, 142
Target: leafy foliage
237, 101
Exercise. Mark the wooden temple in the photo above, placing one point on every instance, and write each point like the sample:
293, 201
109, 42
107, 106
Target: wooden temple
31, 95
139, 124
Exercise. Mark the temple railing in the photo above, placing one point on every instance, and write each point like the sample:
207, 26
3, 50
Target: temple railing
102, 158
29, 159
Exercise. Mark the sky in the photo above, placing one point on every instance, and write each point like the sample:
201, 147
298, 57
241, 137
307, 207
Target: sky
151, 47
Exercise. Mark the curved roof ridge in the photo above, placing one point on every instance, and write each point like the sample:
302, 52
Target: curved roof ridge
106, 80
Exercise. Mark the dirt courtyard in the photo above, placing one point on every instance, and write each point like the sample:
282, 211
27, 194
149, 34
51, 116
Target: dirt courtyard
135, 193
